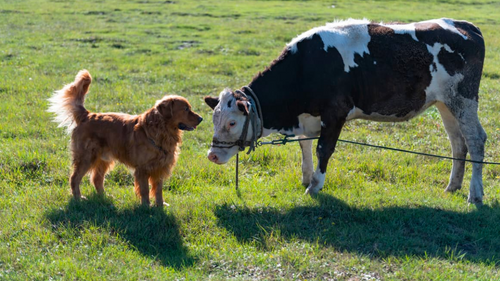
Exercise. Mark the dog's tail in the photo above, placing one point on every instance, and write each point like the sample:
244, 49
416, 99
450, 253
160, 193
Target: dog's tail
67, 103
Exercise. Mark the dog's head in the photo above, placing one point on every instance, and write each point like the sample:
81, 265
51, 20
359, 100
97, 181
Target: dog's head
177, 111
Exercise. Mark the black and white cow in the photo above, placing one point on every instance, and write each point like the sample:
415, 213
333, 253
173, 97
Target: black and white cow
357, 69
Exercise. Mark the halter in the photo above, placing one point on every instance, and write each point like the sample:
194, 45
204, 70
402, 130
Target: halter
254, 113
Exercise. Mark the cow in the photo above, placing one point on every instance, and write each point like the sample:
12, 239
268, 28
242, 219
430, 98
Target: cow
357, 69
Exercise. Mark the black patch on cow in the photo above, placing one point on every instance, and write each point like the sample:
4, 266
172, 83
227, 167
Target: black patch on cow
243, 106
452, 62
392, 79
474, 55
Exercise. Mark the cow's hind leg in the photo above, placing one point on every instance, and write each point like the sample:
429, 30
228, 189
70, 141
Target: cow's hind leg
458, 147
475, 137
307, 161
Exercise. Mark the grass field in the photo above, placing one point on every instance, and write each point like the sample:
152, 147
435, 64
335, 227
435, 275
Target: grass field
381, 216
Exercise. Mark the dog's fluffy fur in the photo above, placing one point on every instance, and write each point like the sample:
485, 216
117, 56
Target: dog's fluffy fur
147, 143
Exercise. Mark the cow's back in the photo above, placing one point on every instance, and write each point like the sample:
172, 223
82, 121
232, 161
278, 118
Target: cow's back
408, 67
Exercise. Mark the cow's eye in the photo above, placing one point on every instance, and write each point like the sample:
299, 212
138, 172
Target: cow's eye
232, 123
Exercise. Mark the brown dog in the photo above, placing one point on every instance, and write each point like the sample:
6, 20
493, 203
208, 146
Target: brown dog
147, 143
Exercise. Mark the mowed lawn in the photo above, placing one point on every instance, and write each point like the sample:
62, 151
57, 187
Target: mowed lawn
382, 215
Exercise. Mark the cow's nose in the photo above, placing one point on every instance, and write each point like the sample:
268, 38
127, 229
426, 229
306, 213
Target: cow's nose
213, 157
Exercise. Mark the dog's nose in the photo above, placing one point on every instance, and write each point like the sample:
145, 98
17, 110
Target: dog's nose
213, 157
200, 119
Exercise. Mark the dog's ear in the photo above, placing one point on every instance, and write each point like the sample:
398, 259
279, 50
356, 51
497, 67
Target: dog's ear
166, 108
242, 106
211, 101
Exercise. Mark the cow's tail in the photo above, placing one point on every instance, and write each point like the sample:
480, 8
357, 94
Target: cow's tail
67, 103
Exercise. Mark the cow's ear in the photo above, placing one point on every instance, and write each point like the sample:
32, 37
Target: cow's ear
211, 101
243, 106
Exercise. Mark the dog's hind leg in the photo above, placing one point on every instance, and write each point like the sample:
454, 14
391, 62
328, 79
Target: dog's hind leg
141, 186
157, 191
80, 168
99, 170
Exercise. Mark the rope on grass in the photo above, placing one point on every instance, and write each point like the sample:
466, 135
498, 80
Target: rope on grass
287, 139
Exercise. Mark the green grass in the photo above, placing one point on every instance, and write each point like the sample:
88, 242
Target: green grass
381, 215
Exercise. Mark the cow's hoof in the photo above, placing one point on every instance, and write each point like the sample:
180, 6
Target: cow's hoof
452, 188
475, 199
316, 185
312, 190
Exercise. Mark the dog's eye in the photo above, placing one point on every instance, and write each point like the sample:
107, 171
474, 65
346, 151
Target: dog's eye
187, 109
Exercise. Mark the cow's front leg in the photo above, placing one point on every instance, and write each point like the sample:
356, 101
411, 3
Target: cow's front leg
330, 133
307, 161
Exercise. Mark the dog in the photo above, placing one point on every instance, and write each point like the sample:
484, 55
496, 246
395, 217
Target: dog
149, 143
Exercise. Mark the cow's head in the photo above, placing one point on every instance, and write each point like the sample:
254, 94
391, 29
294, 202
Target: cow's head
230, 113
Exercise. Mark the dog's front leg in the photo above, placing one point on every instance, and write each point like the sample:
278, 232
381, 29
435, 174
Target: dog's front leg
141, 186
157, 191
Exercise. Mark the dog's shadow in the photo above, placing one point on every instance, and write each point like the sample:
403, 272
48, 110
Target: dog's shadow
151, 231
380, 233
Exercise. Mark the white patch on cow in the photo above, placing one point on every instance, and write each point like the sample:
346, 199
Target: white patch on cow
354, 113
410, 28
309, 126
447, 48
403, 29
317, 182
449, 25
349, 37
442, 84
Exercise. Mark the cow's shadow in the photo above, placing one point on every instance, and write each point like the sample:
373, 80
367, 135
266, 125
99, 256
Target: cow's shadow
151, 231
380, 233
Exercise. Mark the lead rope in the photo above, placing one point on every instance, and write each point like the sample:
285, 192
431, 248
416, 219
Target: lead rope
237, 172
253, 118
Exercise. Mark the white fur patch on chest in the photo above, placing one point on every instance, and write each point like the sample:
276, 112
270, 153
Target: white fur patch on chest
348, 37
